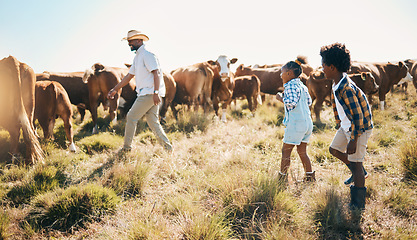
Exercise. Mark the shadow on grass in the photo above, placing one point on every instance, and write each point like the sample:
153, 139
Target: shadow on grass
115, 157
333, 221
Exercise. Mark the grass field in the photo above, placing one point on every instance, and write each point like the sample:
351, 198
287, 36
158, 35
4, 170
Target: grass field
220, 183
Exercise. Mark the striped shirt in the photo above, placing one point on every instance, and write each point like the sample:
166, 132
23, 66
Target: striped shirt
355, 106
292, 93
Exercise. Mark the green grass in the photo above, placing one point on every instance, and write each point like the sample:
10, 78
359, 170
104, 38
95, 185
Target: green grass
4, 225
72, 208
127, 180
409, 159
402, 201
207, 227
42, 179
220, 183
100, 143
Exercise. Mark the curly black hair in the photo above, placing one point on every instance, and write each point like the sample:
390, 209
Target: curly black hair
336, 54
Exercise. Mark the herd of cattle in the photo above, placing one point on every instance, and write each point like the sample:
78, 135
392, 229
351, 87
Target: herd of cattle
26, 96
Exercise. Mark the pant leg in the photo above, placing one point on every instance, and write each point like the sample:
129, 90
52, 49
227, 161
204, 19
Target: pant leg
139, 108
153, 122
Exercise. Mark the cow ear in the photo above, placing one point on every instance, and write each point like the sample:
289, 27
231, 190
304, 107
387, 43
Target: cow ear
98, 67
233, 60
363, 75
211, 62
401, 64
240, 67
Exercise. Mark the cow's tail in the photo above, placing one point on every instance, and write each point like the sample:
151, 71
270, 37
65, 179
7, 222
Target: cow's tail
258, 83
259, 98
36, 154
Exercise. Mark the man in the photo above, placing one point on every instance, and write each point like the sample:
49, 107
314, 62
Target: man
150, 88
353, 118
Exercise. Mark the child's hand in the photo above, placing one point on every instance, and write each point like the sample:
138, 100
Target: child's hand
351, 147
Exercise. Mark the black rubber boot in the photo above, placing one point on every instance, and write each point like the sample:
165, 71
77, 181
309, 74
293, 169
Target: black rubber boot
357, 197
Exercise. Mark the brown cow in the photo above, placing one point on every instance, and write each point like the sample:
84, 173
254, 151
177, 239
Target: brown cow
74, 85
170, 89
100, 79
386, 76
223, 84
17, 93
194, 86
271, 81
51, 101
267, 65
412, 69
319, 87
249, 87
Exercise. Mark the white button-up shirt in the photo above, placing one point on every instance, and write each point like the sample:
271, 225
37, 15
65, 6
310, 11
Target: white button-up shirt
345, 122
143, 65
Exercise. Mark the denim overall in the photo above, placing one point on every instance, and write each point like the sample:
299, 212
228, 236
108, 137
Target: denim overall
298, 122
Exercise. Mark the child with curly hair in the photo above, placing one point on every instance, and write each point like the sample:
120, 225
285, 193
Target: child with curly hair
353, 119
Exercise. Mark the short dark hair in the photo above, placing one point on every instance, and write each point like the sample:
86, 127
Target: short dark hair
336, 54
295, 66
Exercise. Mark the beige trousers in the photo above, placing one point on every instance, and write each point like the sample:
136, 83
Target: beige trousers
144, 106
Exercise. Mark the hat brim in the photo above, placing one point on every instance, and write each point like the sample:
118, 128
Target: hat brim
138, 36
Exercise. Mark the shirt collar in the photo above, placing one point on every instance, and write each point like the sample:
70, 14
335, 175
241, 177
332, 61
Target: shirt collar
340, 85
294, 80
141, 48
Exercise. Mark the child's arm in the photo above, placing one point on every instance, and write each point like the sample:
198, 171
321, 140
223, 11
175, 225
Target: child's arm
292, 95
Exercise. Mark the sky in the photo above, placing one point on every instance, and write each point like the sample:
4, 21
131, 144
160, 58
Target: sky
69, 36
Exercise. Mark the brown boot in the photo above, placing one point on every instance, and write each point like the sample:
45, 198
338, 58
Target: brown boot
310, 177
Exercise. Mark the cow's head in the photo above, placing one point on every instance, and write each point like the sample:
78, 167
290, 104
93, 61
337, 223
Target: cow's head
243, 71
92, 72
404, 73
370, 86
223, 64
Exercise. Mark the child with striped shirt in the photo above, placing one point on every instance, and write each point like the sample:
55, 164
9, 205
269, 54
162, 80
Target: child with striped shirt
297, 120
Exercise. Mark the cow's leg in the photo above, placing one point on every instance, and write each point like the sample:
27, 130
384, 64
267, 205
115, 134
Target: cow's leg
14, 132
51, 128
114, 103
255, 103
249, 98
224, 108
44, 122
94, 105
174, 110
317, 108
382, 101
163, 110
216, 106
82, 112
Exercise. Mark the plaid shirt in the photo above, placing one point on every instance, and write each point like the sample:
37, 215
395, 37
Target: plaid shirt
355, 105
292, 93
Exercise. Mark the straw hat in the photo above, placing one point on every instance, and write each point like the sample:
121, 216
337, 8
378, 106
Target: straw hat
134, 34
